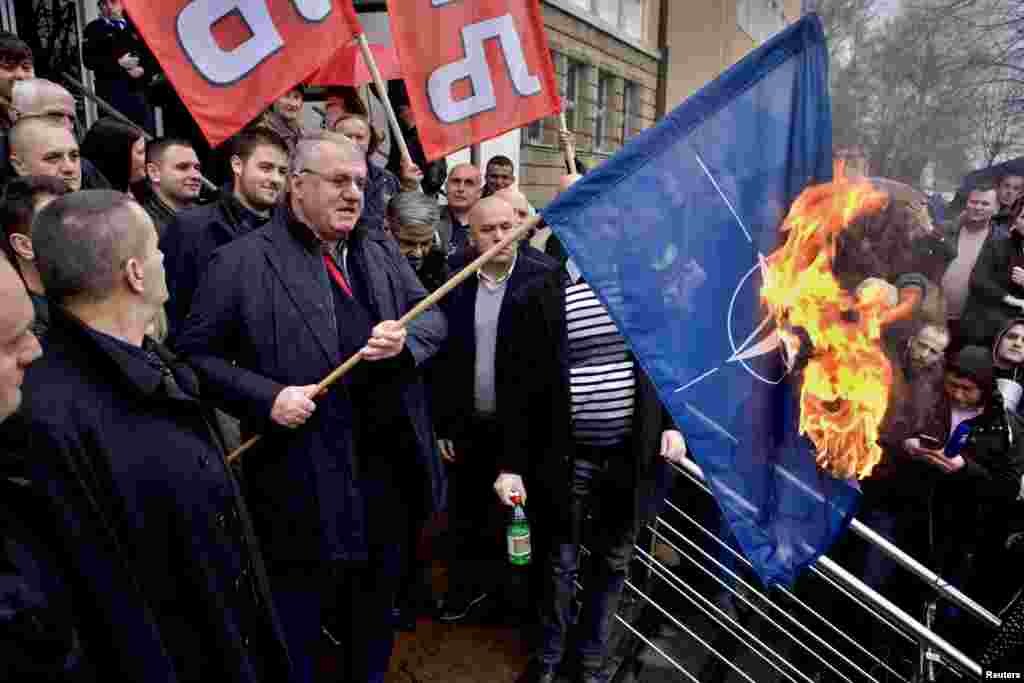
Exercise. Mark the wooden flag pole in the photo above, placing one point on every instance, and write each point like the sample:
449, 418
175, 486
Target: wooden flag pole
570, 154
413, 313
378, 80
107, 108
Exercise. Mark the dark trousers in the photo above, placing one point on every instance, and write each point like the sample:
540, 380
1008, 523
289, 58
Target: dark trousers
475, 514
353, 600
601, 491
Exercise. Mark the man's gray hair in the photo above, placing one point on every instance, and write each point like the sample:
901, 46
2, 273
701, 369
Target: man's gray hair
413, 208
28, 96
82, 240
310, 149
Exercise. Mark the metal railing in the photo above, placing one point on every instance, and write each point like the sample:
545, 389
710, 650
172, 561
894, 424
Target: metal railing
794, 626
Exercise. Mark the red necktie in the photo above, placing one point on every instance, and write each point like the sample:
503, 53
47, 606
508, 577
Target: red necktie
332, 268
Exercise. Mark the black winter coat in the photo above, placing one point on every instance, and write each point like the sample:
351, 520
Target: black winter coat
455, 369
985, 314
103, 44
536, 409
167, 574
161, 214
39, 639
188, 243
262, 319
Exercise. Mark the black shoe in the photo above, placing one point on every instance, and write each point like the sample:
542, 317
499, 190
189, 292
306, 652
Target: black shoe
588, 675
536, 673
403, 619
457, 606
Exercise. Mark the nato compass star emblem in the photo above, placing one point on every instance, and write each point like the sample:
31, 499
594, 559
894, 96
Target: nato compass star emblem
762, 341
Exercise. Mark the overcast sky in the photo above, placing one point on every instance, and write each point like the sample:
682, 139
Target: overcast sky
888, 6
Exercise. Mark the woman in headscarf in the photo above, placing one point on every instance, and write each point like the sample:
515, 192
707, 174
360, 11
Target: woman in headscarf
117, 150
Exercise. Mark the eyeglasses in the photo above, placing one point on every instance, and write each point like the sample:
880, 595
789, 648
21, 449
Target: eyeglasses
340, 182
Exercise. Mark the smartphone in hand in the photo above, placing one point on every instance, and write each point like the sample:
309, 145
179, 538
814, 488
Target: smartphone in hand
930, 442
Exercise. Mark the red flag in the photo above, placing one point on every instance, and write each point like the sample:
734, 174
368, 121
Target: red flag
347, 66
230, 59
473, 70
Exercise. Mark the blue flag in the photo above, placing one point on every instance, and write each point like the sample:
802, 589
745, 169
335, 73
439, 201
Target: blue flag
670, 233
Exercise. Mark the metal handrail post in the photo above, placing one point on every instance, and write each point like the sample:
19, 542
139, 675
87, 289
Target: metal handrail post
920, 631
941, 586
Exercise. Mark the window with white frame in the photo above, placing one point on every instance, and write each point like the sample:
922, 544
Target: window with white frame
760, 19
630, 110
632, 18
535, 132
626, 15
572, 84
607, 10
602, 111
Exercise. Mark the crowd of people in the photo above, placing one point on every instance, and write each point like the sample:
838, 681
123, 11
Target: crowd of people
149, 325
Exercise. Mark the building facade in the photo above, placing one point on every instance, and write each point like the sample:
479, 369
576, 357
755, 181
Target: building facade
621, 64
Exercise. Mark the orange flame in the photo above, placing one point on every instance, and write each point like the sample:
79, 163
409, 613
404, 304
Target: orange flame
847, 378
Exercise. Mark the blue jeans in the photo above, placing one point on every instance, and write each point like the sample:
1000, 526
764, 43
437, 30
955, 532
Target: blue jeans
599, 491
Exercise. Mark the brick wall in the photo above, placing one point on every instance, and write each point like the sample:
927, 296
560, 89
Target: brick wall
595, 54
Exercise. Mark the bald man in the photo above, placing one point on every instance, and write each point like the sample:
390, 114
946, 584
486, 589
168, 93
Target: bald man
40, 98
463, 187
517, 200
276, 313
468, 421
41, 147
541, 240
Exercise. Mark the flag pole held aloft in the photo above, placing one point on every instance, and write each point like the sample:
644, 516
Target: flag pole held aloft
382, 88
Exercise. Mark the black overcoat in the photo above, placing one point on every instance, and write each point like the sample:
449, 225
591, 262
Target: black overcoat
263, 319
155, 537
189, 241
454, 376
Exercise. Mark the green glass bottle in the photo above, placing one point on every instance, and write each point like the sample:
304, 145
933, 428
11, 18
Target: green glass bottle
518, 534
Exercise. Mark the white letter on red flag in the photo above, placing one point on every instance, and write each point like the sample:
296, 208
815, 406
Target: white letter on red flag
230, 59
473, 70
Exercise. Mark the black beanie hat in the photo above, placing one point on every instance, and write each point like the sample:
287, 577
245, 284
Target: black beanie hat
975, 363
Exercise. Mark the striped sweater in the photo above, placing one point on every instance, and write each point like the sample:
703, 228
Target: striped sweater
602, 383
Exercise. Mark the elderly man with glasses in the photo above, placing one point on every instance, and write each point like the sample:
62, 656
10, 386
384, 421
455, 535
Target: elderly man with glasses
333, 480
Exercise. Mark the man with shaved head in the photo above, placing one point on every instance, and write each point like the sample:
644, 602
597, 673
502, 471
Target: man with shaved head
468, 420
43, 98
39, 146
38, 98
519, 203
331, 482
463, 188
542, 239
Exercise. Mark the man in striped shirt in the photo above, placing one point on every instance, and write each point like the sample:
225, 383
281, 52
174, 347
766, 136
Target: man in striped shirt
585, 434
